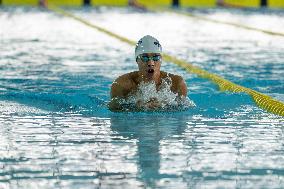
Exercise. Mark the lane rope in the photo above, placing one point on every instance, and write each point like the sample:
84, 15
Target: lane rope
216, 21
263, 101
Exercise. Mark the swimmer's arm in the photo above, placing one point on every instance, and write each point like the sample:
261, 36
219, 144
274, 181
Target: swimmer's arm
119, 91
114, 105
117, 105
179, 86
182, 88
152, 104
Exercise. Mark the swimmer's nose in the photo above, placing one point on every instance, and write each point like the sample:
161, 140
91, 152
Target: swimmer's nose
151, 64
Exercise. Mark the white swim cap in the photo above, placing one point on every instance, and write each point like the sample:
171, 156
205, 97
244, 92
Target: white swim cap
147, 44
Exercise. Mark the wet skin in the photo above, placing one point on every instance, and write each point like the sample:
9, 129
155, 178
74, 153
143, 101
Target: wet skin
127, 84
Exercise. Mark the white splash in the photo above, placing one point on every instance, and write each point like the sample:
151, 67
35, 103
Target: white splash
150, 98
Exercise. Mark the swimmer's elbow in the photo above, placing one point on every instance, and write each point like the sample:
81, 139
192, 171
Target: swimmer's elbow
114, 105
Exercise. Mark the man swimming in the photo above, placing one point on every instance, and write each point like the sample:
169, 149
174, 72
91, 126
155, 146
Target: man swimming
148, 54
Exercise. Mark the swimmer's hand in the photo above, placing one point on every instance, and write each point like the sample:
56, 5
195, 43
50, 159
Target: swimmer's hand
117, 105
152, 104
120, 105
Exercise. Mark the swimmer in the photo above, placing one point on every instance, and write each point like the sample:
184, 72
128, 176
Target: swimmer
222, 3
43, 3
135, 4
148, 54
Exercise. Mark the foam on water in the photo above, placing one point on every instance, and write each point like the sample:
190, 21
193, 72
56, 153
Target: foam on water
150, 98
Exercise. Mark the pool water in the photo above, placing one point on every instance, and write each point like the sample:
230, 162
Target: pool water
57, 132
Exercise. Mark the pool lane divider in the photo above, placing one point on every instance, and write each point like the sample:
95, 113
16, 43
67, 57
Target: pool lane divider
215, 21
263, 101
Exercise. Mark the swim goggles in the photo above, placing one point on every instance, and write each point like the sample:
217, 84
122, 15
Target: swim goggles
146, 58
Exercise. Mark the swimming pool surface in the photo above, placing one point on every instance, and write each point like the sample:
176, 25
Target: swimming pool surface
57, 132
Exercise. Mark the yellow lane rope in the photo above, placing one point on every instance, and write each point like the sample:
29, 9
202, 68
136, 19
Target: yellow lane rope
217, 21
232, 24
263, 101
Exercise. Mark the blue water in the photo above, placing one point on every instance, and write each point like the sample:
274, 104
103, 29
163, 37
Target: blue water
57, 132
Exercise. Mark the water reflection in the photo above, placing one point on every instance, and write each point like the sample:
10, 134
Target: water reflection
194, 151
149, 130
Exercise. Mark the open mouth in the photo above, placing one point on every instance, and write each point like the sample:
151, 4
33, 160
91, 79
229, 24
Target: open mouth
151, 71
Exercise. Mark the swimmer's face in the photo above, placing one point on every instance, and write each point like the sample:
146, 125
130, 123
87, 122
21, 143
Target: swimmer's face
149, 64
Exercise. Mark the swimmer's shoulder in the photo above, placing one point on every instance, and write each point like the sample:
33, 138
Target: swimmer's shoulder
125, 83
178, 83
174, 78
127, 79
